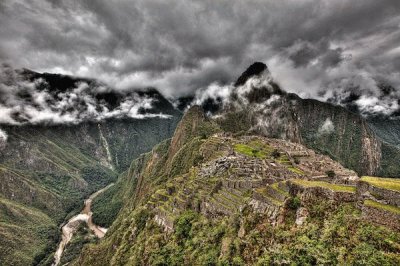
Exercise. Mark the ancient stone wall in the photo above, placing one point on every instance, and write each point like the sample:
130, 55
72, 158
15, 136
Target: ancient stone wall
381, 216
389, 196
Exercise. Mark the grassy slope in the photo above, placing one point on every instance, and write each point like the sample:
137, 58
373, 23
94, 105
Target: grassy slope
24, 233
331, 235
386, 207
334, 187
51, 169
107, 205
387, 183
55, 186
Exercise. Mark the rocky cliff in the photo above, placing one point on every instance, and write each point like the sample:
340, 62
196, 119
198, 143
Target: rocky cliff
258, 105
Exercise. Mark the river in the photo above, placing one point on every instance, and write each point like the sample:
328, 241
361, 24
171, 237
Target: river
72, 225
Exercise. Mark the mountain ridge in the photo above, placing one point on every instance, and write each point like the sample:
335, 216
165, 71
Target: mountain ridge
232, 187
246, 126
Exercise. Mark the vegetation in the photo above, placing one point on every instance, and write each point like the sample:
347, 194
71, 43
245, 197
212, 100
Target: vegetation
390, 208
66, 164
98, 177
330, 237
296, 170
235, 122
276, 187
275, 154
387, 183
249, 151
254, 148
73, 249
20, 225
105, 207
347, 133
335, 187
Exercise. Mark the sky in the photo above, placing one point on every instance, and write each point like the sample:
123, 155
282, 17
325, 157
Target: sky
321, 49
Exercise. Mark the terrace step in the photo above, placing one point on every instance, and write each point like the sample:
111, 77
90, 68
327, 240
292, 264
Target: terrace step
203, 183
283, 186
263, 196
220, 207
275, 193
237, 192
232, 205
233, 197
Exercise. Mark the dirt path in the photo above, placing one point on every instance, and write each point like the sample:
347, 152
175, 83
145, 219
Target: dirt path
71, 226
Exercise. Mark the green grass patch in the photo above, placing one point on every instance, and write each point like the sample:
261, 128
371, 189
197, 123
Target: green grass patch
250, 151
385, 207
387, 183
334, 187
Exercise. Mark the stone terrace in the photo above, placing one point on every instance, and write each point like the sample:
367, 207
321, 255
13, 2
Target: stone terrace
264, 173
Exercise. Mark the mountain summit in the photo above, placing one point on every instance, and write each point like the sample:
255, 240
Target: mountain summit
210, 197
256, 69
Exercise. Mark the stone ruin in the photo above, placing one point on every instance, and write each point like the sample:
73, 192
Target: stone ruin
265, 184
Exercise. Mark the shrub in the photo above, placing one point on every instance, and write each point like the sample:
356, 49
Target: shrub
141, 219
209, 258
294, 203
183, 225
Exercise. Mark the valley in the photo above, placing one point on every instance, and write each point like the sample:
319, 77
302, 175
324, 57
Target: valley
47, 170
266, 162
204, 133
71, 226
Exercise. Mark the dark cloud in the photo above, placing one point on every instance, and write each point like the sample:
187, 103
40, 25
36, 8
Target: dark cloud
183, 46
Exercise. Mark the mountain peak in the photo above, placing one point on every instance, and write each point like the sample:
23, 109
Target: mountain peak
254, 69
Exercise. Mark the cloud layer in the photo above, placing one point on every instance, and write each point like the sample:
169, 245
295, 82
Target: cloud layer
314, 48
27, 99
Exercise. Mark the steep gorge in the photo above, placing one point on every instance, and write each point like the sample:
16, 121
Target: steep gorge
46, 171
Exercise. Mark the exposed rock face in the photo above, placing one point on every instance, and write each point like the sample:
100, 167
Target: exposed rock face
255, 69
259, 103
371, 150
301, 216
186, 129
164, 221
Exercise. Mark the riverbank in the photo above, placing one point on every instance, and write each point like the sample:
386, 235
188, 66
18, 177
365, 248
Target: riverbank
72, 225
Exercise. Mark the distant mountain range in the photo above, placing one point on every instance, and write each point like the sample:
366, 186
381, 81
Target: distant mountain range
65, 137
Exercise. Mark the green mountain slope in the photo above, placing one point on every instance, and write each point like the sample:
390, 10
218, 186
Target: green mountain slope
47, 170
207, 197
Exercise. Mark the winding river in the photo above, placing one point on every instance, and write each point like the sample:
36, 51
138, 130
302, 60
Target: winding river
72, 225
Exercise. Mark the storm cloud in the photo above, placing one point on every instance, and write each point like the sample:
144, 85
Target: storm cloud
318, 49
